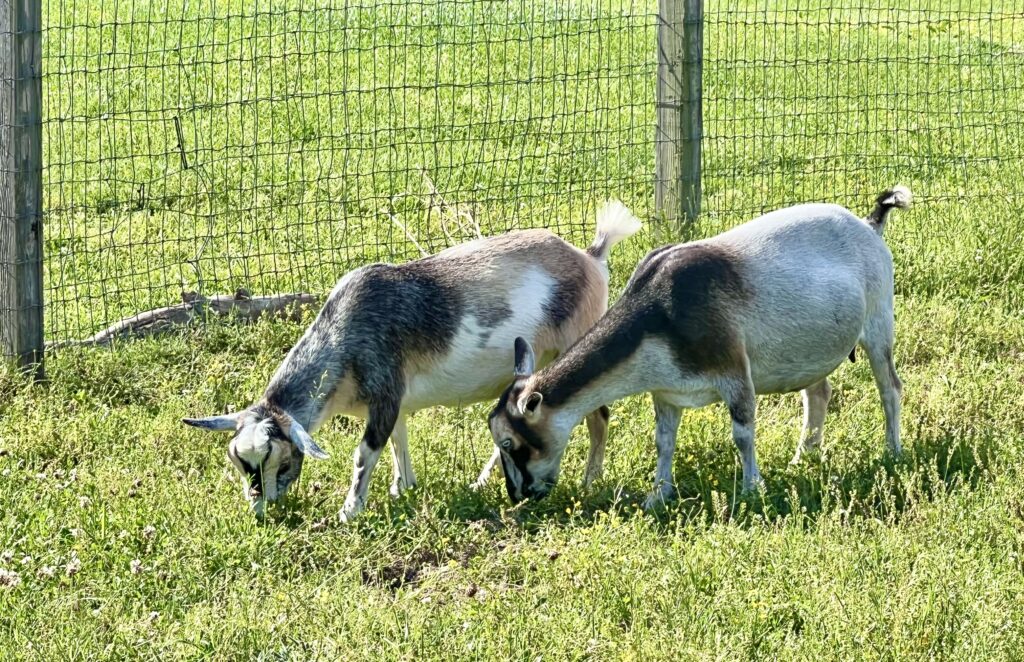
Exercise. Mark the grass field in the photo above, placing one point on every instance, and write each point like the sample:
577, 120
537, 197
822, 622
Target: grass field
123, 534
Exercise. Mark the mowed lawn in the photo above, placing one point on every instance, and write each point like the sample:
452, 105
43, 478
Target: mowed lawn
123, 534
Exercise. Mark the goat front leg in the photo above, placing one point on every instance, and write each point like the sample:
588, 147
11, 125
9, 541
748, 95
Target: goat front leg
666, 427
739, 397
816, 397
404, 477
379, 425
597, 426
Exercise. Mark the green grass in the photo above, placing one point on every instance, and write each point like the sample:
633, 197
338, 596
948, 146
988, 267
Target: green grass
127, 531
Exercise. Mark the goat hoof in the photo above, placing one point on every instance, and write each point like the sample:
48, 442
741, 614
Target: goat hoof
754, 487
815, 453
658, 498
399, 487
350, 510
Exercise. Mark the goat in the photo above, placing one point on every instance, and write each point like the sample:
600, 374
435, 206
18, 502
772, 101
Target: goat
772, 306
393, 339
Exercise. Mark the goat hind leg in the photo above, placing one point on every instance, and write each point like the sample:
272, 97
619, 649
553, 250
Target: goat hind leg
485, 473
404, 477
878, 346
597, 426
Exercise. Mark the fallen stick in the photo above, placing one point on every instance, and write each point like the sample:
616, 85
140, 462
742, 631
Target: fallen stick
196, 309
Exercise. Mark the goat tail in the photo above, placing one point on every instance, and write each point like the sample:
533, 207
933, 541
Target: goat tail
614, 223
898, 197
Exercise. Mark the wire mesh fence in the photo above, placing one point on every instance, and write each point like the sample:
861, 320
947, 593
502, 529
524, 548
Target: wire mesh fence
214, 145
206, 146
837, 100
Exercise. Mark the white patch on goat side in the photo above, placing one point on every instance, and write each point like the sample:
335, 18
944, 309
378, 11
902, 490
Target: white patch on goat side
478, 364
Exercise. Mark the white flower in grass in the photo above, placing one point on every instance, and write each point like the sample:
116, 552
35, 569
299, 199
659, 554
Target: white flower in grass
47, 572
72, 567
84, 501
135, 566
9, 578
153, 616
7, 556
149, 532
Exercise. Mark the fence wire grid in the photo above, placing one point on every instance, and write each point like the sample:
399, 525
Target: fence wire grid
206, 146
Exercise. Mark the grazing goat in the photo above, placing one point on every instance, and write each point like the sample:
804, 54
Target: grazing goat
771, 306
394, 339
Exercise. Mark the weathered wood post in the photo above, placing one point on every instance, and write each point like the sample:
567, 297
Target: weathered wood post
679, 130
21, 218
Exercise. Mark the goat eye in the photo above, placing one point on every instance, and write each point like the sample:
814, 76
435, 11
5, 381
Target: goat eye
506, 443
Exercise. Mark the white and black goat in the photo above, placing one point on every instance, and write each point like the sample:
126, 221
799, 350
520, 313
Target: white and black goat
394, 339
772, 306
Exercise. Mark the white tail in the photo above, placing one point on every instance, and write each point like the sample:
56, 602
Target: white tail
898, 197
614, 223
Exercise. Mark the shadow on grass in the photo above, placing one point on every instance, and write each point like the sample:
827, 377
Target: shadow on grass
417, 532
880, 487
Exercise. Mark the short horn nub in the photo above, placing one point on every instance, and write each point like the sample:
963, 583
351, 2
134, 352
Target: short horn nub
614, 223
898, 197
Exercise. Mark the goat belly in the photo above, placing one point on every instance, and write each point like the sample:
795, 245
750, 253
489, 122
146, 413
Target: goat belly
477, 367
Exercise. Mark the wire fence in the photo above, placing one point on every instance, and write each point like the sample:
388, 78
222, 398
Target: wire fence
220, 144
213, 145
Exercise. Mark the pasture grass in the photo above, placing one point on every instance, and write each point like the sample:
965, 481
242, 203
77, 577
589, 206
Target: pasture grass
124, 535
851, 555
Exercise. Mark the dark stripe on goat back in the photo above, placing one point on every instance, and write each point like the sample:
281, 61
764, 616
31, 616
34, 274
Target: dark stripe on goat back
698, 286
697, 274
681, 294
399, 312
384, 315
412, 307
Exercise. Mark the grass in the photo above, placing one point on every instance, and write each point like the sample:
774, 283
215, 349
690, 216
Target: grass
126, 533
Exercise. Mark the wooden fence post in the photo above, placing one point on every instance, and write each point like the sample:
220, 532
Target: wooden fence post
679, 120
21, 218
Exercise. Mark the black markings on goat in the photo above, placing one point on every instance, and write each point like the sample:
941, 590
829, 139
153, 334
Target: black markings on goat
393, 339
771, 306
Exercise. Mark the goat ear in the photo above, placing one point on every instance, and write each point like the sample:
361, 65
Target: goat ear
524, 358
530, 405
214, 423
304, 442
